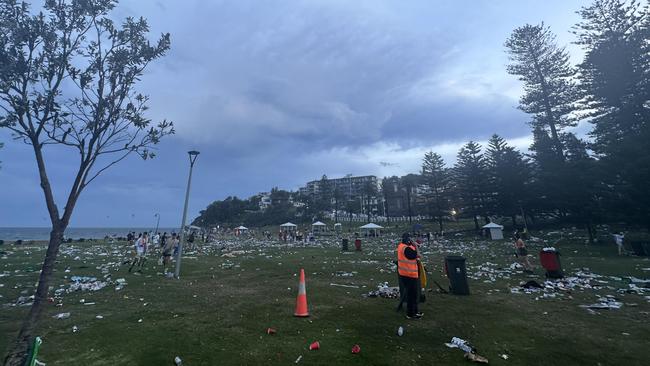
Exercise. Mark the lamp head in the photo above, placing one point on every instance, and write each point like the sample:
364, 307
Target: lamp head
193, 155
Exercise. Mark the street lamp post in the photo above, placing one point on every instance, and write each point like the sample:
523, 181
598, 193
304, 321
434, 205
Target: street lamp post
193, 155
157, 223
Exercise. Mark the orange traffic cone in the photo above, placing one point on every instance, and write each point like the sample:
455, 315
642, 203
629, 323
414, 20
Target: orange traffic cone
301, 300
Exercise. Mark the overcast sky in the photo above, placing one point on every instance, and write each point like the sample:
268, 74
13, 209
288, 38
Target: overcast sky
277, 93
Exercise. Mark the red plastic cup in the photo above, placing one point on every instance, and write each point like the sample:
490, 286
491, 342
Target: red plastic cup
314, 346
356, 349
271, 331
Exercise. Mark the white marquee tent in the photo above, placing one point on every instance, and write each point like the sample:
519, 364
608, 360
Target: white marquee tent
371, 229
288, 226
318, 227
496, 231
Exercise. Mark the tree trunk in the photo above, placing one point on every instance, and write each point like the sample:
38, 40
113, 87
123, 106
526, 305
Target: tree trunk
476, 223
440, 223
514, 221
18, 353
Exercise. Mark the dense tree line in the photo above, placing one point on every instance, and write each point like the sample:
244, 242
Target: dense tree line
602, 176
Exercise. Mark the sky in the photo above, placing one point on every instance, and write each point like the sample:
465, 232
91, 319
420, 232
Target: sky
278, 93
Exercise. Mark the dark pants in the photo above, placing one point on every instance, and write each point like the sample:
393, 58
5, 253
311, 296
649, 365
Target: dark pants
411, 289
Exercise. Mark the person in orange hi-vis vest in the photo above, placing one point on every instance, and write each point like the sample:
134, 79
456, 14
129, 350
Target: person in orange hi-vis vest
407, 268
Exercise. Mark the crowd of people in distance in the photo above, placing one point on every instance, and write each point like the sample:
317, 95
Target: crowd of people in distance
148, 243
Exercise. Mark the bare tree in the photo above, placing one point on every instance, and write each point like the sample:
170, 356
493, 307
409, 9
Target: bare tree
67, 78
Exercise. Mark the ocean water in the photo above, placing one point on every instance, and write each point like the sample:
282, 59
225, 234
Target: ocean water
43, 233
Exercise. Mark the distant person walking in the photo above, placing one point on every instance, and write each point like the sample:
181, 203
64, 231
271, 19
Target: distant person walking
170, 244
176, 241
140, 246
522, 253
618, 238
163, 240
407, 268
190, 240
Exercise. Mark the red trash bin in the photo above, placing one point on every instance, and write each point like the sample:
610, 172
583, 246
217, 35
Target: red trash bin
550, 260
357, 244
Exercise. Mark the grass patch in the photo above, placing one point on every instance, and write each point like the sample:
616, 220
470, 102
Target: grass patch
217, 313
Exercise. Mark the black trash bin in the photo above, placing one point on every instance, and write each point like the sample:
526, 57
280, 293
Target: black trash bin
457, 274
344, 244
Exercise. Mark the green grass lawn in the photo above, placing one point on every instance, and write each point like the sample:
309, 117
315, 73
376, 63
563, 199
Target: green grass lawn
218, 312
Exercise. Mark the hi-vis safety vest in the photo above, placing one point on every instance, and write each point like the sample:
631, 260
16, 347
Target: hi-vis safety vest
406, 267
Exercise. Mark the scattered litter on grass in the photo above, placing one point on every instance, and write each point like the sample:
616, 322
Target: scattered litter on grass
470, 352
476, 358
24, 301
61, 316
400, 331
383, 290
459, 343
356, 349
344, 274
339, 285
178, 361
271, 331
314, 346
504, 356
75, 329
607, 302
298, 359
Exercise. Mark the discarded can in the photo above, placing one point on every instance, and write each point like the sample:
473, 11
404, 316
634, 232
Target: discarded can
356, 349
270, 331
400, 331
314, 346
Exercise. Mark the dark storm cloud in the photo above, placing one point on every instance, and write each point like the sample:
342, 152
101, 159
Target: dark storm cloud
275, 93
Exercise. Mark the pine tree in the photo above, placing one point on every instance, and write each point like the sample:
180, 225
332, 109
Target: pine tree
508, 176
471, 181
323, 200
408, 185
435, 177
549, 89
583, 190
615, 80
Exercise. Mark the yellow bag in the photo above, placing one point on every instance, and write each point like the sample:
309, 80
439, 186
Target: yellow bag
422, 274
